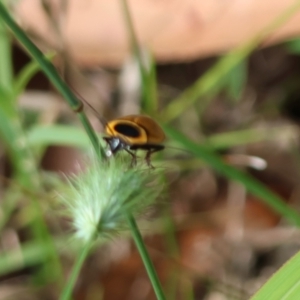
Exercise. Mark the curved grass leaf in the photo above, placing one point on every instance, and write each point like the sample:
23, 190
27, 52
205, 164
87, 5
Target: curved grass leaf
284, 284
209, 84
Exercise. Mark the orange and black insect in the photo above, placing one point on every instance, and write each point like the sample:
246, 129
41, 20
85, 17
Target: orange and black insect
135, 132
131, 133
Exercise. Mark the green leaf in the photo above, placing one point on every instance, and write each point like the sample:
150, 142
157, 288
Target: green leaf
284, 284
6, 69
231, 139
149, 87
207, 86
26, 74
236, 80
48, 68
58, 135
293, 46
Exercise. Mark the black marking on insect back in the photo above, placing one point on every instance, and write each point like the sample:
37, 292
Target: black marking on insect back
127, 130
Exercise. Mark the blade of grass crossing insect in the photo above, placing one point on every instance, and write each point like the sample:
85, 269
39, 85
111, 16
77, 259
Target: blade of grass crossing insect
252, 185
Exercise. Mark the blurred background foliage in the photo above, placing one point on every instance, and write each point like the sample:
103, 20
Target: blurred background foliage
230, 217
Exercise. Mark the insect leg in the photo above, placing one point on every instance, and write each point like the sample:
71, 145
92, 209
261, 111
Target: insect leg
150, 152
133, 155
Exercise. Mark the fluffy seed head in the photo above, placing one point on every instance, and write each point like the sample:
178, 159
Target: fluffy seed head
100, 197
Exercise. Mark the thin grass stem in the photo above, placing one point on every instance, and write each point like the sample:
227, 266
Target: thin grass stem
145, 257
69, 287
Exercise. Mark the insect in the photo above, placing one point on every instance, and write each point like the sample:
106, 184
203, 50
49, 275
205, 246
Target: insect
135, 132
130, 133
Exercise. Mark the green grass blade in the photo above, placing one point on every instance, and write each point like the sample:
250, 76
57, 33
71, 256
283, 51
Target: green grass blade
68, 289
50, 71
146, 65
208, 85
293, 46
149, 94
44, 63
284, 284
252, 185
248, 136
57, 135
6, 69
226, 140
26, 74
236, 80
146, 259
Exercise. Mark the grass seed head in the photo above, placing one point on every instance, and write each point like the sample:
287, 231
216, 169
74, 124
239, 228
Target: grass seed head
100, 197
